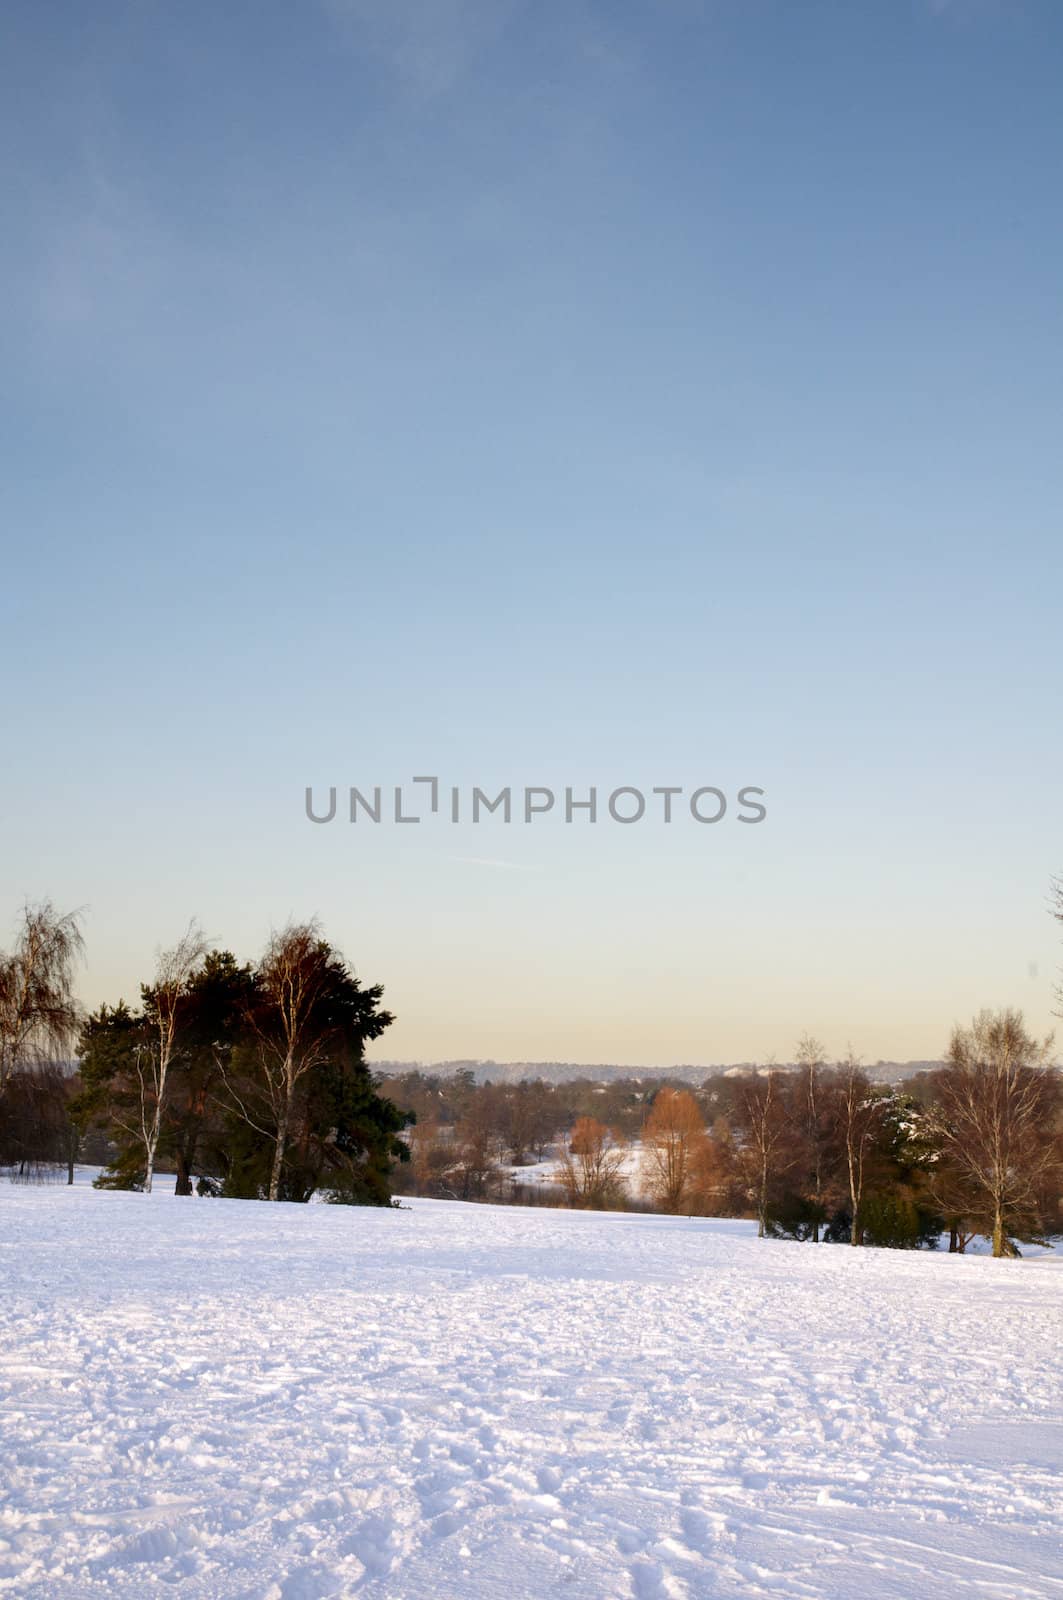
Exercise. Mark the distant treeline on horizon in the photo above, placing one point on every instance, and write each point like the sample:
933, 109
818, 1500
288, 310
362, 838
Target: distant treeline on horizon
488, 1071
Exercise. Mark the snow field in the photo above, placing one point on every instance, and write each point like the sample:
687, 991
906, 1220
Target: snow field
229, 1399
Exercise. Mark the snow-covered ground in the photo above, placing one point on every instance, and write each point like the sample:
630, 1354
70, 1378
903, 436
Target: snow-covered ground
228, 1399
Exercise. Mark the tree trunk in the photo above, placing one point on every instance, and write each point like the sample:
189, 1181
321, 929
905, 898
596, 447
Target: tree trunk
856, 1189
278, 1156
151, 1142
954, 1241
73, 1148
184, 1176
1001, 1242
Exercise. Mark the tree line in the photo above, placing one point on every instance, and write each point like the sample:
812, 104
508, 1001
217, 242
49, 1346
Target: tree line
818, 1152
247, 1079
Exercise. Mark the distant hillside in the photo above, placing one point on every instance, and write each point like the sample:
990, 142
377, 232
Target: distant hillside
603, 1072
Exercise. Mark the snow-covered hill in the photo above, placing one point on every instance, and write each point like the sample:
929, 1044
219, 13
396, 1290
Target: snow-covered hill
225, 1399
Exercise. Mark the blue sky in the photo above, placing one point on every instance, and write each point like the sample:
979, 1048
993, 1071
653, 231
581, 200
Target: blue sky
543, 394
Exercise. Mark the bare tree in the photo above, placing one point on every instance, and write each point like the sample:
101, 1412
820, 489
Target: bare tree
671, 1138
474, 1168
35, 1125
154, 1057
862, 1114
996, 1115
39, 1016
292, 1037
763, 1127
814, 1117
526, 1119
431, 1154
717, 1187
950, 1191
590, 1170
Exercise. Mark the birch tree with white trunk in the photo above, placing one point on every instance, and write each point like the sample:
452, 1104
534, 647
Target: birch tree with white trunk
155, 1056
862, 1115
292, 1036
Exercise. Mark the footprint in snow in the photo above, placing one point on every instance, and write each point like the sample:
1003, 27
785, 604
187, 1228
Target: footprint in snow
651, 1582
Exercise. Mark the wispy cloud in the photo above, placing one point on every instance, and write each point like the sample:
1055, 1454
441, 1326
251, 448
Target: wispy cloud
498, 862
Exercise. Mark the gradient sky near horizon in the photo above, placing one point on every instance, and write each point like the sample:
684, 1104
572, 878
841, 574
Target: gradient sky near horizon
557, 393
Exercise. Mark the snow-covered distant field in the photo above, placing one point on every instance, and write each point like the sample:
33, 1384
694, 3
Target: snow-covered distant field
222, 1399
